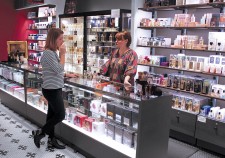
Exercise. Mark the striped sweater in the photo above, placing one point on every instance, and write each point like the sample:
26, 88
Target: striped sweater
53, 77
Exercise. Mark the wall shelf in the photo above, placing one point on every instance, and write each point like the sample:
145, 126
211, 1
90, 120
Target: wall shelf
169, 47
181, 28
198, 72
181, 7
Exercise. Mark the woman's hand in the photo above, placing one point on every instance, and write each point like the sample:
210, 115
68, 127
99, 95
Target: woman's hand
127, 84
126, 81
72, 75
62, 50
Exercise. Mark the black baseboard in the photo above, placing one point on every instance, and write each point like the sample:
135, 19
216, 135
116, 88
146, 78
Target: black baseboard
214, 149
183, 137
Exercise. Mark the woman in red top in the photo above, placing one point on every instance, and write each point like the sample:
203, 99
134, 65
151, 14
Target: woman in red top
122, 65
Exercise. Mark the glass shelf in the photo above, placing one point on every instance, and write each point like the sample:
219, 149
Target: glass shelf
200, 94
36, 18
181, 7
169, 47
181, 28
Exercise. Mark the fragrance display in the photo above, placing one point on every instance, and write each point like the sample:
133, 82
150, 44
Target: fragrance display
161, 3
105, 113
34, 94
187, 120
90, 37
102, 116
11, 81
101, 31
188, 103
41, 20
73, 37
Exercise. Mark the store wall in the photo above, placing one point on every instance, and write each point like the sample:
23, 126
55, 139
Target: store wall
13, 26
95, 5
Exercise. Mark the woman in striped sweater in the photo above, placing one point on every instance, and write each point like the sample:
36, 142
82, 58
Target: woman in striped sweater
53, 82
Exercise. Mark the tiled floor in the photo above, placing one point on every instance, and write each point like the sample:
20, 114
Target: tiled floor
16, 141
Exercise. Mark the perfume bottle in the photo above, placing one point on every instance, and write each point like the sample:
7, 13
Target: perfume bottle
110, 38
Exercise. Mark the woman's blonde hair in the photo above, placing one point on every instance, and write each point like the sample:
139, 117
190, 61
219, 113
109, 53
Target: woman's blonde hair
52, 36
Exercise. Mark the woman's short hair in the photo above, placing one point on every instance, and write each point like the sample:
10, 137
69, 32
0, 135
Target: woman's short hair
124, 35
52, 36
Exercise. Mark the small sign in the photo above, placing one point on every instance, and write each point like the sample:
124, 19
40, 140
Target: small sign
115, 13
49, 19
202, 119
35, 1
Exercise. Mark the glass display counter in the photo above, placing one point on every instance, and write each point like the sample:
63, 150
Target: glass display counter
102, 118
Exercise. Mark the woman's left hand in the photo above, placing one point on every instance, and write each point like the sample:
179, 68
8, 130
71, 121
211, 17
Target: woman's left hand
72, 75
127, 84
126, 81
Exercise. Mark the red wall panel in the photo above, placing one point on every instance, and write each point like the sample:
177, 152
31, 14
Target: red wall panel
13, 26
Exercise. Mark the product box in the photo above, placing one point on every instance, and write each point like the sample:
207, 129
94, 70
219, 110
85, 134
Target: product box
103, 109
88, 124
127, 116
119, 134
213, 112
128, 137
221, 115
135, 119
193, 1
98, 128
110, 130
95, 106
110, 111
118, 114
79, 120
205, 110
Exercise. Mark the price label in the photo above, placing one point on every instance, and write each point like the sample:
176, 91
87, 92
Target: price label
202, 119
50, 19
115, 13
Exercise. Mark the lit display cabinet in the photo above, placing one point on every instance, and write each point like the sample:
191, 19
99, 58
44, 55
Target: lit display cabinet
90, 37
73, 28
101, 30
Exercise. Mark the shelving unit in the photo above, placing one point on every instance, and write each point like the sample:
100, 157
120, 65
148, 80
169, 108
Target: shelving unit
186, 126
34, 44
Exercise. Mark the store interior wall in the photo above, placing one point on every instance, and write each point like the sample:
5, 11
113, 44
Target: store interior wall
96, 5
15, 23
13, 26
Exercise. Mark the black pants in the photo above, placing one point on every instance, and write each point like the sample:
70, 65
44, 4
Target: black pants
56, 111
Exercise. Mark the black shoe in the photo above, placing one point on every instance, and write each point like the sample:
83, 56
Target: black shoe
37, 137
52, 143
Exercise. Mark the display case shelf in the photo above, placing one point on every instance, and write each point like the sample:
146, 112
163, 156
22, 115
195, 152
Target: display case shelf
35, 50
169, 47
23, 100
34, 60
189, 92
38, 18
36, 39
198, 72
40, 29
129, 152
181, 28
38, 108
181, 7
